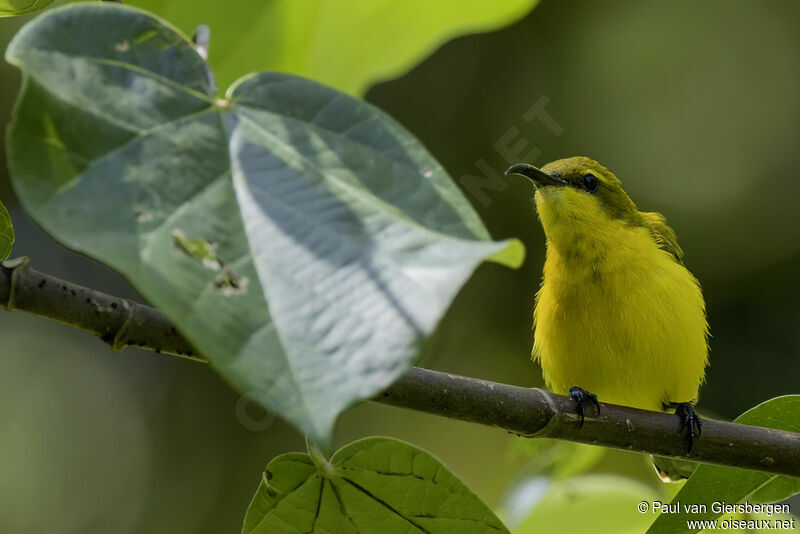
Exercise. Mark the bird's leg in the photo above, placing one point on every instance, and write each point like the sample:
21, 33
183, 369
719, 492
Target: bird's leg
584, 400
689, 420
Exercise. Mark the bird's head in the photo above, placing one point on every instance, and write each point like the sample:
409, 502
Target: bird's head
578, 200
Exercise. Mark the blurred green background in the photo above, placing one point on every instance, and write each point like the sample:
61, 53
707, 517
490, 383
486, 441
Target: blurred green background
693, 105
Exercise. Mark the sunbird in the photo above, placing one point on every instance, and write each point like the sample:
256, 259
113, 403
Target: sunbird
618, 315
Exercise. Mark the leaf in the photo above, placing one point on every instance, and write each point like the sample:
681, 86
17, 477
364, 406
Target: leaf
598, 504
6, 233
12, 8
556, 458
549, 461
374, 485
301, 239
712, 483
347, 45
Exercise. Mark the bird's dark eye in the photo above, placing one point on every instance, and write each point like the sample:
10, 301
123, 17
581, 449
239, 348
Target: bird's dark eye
590, 183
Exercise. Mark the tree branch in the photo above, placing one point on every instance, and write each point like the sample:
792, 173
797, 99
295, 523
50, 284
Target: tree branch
526, 412
116, 321
538, 413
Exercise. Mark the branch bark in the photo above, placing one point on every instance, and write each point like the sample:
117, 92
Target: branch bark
525, 412
116, 321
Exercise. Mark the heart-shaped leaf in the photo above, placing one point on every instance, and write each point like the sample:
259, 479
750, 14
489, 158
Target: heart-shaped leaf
347, 44
711, 483
6, 233
375, 485
303, 241
12, 8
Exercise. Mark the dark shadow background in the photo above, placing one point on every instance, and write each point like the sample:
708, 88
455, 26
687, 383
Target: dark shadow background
693, 105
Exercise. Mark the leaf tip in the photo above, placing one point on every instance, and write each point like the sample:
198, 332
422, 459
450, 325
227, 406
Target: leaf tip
512, 255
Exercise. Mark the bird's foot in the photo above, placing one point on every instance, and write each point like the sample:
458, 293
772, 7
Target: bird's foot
584, 400
689, 421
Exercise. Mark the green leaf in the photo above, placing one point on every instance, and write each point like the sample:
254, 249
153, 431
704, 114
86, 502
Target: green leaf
712, 483
347, 45
374, 485
600, 504
556, 458
12, 8
6, 233
304, 242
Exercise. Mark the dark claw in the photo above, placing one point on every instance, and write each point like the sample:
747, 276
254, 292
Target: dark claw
584, 400
689, 421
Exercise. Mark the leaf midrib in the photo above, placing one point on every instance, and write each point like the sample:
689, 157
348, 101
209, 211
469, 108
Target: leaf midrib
365, 198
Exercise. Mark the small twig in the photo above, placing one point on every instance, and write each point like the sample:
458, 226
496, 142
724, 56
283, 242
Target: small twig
201, 40
526, 412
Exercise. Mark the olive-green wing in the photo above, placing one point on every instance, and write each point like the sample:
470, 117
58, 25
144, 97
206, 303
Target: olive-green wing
664, 235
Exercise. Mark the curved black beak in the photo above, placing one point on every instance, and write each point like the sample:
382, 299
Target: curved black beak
536, 175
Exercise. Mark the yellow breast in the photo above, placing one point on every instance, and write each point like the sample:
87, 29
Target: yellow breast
617, 315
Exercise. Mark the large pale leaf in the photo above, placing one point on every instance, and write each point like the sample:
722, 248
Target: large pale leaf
302, 240
344, 44
6, 233
711, 483
11, 8
372, 486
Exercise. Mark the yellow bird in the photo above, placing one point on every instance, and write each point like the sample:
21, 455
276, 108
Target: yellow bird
618, 315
